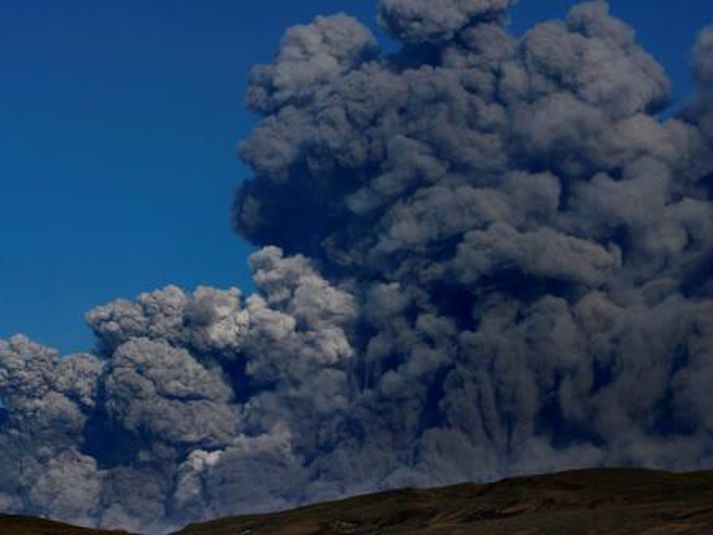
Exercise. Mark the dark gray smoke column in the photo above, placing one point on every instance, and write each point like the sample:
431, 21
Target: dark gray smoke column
530, 244
482, 256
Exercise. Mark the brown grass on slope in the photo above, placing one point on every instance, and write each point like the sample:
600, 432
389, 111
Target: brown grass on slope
606, 501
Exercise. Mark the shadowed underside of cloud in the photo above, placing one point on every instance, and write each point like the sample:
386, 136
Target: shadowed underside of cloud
480, 256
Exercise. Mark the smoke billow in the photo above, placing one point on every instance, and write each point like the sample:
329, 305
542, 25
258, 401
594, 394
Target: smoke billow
481, 255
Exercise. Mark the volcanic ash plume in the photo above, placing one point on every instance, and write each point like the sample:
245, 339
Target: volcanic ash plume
480, 256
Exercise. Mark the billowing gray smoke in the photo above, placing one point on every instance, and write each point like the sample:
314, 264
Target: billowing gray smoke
481, 256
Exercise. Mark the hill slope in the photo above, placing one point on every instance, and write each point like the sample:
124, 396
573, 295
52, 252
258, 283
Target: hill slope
25, 525
606, 501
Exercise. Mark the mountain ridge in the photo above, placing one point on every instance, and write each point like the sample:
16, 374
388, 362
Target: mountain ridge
619, 500
590, 501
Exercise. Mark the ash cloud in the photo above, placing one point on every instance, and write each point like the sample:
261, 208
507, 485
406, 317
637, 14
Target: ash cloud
482, 255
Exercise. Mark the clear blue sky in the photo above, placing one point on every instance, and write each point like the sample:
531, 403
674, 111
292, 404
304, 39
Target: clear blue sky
119, 120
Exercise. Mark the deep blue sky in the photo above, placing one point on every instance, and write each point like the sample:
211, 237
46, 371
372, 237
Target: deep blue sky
118, 124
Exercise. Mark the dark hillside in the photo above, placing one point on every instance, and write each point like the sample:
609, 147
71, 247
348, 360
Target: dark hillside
590, 501
23, 525
604, 501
